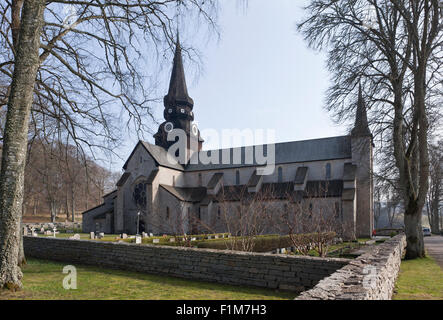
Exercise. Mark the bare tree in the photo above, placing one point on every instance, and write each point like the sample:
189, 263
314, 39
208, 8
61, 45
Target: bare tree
15, 142
243, 215
396, 55
88, 60
435, 194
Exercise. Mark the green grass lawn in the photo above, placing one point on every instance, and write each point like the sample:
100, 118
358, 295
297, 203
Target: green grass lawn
420, 279
43, 280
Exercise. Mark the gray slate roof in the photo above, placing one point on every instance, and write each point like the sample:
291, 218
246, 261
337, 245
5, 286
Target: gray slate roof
285, 152
289, 152
186, 194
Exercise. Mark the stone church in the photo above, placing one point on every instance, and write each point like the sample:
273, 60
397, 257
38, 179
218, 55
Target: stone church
157, 187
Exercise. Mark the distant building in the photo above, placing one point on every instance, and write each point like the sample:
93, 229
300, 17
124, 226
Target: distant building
158, 186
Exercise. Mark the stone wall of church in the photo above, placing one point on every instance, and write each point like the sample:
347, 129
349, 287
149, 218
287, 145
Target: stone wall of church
236, 268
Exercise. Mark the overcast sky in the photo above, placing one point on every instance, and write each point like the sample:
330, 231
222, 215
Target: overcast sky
260, 75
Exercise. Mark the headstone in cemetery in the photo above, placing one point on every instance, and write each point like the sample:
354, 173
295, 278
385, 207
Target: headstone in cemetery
144, 235
172, 240
54, 231
156, 241
92, 235
216, 237
42, 230
101, 235
194, 239
138, 240
48, 233
124, 236
75, 237
151, 234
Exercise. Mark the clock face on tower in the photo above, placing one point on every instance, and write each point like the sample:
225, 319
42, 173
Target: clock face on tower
194, 129
169, 127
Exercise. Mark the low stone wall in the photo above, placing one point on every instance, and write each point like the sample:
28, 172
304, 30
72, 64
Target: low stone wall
285, 272
371, 276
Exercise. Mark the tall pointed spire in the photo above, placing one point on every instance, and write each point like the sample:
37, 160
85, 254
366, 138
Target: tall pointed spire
178, 91
361, 127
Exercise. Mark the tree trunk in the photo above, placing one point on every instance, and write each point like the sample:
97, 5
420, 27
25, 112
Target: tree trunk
34, 210
418, 185
15, 142
73, 204
414, 232
21, 261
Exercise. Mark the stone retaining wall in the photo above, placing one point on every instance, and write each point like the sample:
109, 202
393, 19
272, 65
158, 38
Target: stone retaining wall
295, 273
371, 276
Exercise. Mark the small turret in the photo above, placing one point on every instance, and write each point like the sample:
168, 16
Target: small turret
361, 127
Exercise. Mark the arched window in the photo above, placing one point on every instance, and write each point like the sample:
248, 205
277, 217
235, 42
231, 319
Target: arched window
218, 213
280, 174
328, 171
139, 194
237, 177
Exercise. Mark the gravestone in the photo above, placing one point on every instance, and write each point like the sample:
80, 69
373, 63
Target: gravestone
101, 235
151, 234
92, 235
48, 233
144, 235
172, 240
75, 237
124, 236
138, 240
194, 239
216, 237
156, 241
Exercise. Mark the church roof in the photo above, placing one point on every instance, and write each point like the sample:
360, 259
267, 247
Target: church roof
287, 152
269, 191
186, 194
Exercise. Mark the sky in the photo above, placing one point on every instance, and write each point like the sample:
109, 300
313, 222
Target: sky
259, 75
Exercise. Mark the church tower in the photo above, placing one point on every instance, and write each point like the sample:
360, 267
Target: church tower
362, 151
178, 113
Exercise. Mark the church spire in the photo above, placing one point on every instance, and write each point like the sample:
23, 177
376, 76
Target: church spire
178, 91
361, 127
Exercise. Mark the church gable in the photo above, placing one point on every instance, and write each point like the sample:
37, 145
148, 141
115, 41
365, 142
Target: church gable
140, 159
